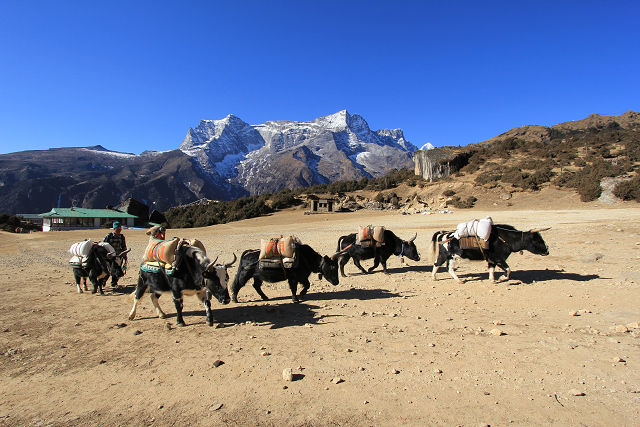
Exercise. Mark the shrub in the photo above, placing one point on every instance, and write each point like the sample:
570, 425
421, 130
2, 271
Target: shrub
514, 176
379, 198
532, 164
628, 190
448, 193
568, 179
487, 177
467, 203
589, 188
284, 199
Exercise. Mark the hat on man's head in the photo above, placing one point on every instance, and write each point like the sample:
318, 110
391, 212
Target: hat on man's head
116, 224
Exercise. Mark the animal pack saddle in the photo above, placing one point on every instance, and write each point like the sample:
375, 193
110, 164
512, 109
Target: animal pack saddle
161, 254
473, 242
278, 252
81, 251
370, 236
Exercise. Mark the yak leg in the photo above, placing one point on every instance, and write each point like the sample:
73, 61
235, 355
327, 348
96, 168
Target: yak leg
440, 260
78, 279
154, 299
238, 282
97, 285
376, 261
257, 283
503, 265
384, 265
452, 272
177, 301
342, 262
206, 301
138, 293
434, 271
305, 286
356, 261
293, 285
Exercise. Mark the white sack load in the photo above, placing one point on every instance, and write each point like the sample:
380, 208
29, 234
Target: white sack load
81, 249
77, 261
108, 247
480, 228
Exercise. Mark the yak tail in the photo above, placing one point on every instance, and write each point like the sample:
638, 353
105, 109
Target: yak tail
339, 242
434, 247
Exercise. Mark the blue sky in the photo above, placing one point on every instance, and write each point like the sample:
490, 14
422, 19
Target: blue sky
136, 75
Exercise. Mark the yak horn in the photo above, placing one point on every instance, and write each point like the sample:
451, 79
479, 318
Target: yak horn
340, 252
124, 252
538, 230
413, 238
235, 258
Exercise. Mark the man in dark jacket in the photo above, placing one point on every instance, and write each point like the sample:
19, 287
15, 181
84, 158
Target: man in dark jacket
117, 240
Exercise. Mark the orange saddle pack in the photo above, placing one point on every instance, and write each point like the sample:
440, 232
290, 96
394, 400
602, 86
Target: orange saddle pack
161, 250
283, 247
368, 235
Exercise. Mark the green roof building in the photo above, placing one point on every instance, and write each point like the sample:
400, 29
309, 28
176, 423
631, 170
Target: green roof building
79, 218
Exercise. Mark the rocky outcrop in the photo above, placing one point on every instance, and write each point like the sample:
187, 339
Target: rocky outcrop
433, 164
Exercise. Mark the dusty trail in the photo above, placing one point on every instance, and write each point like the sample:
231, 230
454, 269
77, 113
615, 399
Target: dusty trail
409, 351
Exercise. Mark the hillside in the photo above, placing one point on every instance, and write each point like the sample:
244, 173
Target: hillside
592, 160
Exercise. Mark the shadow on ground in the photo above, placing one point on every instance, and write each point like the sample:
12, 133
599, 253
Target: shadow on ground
276, 313
531, 276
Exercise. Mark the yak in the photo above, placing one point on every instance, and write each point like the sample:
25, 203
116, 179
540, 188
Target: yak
192, 274
393, 245
503, 241
307, 261
100, 264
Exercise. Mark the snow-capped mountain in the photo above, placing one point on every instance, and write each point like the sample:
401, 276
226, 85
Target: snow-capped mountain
218, 159
278, 154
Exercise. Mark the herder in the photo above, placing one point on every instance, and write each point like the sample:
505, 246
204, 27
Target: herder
117, 240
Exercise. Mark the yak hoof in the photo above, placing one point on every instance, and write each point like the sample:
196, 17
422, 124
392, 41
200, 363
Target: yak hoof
210, 322
132, 316
265, 298
182, 324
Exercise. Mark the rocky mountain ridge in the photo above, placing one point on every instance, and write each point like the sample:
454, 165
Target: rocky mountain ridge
219, 159
338, 146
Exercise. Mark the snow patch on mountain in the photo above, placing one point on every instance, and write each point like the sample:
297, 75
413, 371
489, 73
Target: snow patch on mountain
241, 154
109, 153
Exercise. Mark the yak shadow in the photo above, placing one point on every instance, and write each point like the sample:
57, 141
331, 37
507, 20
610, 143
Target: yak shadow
418, 268
275, 316
531, 276
122, 289
353, 293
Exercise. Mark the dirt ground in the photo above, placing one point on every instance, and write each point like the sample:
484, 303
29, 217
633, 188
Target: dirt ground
557, 344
